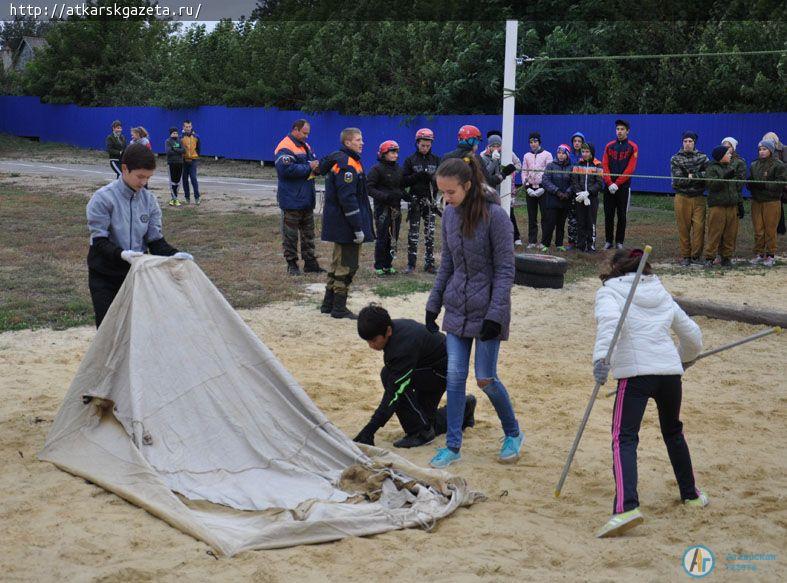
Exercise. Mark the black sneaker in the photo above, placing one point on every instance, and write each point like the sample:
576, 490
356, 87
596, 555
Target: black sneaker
424, 437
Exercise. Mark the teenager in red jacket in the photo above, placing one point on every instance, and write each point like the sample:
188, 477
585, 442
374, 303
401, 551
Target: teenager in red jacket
620, 157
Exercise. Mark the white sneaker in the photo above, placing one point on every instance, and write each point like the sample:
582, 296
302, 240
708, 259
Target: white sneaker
757, 260
701, 501
769, 261
607, 246
532, 245
620, 523
518, 242
618, 245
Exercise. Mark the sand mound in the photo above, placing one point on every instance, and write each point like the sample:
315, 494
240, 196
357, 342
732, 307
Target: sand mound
57, 527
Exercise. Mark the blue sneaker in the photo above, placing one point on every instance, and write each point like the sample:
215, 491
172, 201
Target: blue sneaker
444, 458
509, 453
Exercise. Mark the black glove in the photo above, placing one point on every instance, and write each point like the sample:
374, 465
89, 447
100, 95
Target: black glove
508, 169
490, 330
366, 436
327, 162
741, 210
431, 321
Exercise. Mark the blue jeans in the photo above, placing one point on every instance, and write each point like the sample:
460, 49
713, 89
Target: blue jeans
485, 369
190, 172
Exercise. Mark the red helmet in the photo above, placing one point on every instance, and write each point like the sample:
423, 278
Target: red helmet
386, 147
467, 132
424, 134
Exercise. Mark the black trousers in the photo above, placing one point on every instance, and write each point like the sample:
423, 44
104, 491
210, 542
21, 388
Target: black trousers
417, 408
534, 206
554, 221
616, 204
114, 163
175, 174
630, 402
517, 236
103, 289
586, 224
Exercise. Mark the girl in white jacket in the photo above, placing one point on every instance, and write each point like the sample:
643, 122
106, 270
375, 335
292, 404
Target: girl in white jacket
647, 365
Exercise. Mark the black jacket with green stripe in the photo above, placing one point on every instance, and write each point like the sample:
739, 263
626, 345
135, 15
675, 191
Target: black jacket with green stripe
411, 347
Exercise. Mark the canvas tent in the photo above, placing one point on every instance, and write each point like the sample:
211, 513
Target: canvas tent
203, 427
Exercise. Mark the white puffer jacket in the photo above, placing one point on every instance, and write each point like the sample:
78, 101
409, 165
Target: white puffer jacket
644, 346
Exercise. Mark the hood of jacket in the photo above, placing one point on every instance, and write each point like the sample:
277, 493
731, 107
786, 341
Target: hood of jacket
650, 292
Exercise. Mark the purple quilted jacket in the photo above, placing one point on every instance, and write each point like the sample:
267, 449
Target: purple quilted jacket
475, 277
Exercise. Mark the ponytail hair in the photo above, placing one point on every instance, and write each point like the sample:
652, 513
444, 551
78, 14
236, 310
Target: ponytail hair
474, 206
625, 261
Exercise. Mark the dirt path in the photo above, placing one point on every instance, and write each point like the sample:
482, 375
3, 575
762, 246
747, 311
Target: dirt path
60, 528
220, 193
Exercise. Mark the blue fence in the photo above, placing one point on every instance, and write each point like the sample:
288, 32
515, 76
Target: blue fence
251, 133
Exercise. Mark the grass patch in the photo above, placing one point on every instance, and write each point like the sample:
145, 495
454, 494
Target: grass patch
44, 244
401, 287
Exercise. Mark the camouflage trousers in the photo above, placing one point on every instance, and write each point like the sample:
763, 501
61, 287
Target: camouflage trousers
571, 222
418, 210
344, 265
294, 223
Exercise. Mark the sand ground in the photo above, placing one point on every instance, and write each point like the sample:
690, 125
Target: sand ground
57, 527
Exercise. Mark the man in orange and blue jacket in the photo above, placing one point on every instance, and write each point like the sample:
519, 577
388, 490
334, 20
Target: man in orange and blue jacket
296, 166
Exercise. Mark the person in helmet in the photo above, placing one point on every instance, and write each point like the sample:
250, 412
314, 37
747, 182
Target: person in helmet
469, 138
385, 188
418, 175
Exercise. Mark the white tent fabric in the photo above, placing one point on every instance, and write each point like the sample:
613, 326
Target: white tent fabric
204, 428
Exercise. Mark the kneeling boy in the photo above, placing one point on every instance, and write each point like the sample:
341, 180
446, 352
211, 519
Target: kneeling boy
413, 378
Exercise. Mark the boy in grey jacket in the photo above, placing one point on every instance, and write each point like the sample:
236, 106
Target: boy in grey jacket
124, 220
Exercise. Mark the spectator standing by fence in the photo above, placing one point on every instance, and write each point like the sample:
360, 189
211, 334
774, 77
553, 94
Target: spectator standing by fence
535, 161
116, 143
620, 158
174, 150
768, 176
687, 168
192, 147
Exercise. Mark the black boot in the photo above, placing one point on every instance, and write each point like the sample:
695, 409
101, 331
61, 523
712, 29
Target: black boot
311, 266
292, 267
340, 307
423, 437
327, 302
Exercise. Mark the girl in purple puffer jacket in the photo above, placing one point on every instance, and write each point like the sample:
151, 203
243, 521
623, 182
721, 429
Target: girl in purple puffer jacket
474, 285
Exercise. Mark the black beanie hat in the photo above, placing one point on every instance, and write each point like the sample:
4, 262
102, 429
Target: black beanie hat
690, 134
173, 129
719, 152
535, 136
624, 123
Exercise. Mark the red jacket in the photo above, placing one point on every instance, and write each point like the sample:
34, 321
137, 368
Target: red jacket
619, 158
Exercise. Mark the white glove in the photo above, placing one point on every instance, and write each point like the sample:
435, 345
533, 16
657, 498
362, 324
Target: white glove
613, 188
538, 192
580, 196
496, 155
586, 200
128, 255
531, 192
358, 237
183, 255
